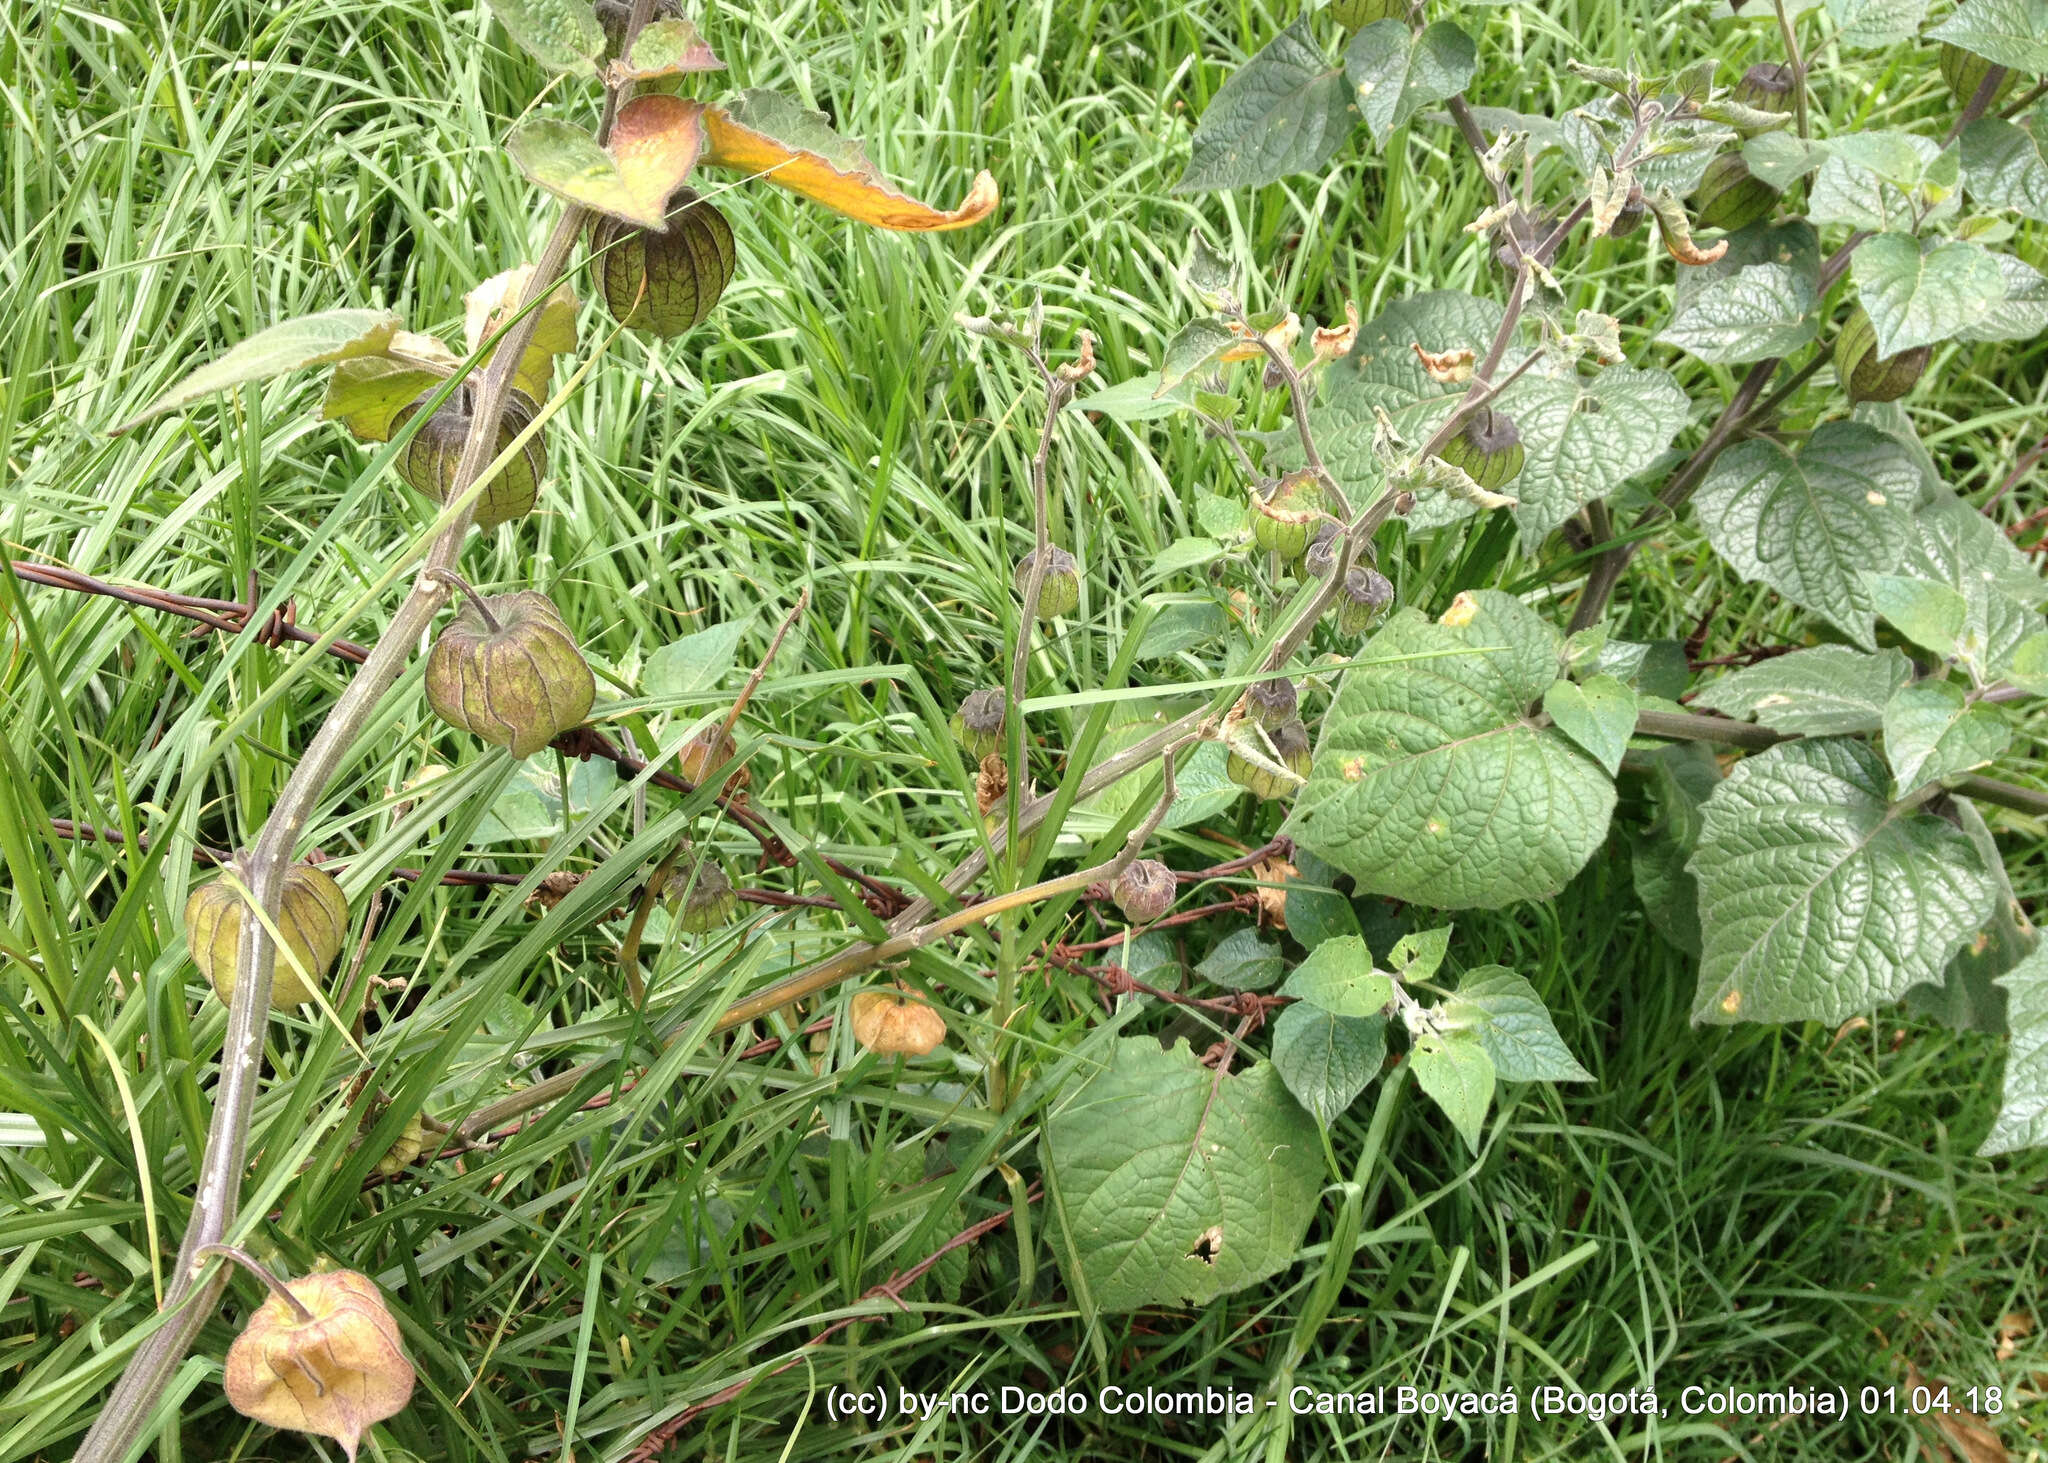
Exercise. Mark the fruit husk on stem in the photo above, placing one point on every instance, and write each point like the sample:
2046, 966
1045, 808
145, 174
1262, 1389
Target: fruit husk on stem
508, 671
664, 283
430, 458
313, 919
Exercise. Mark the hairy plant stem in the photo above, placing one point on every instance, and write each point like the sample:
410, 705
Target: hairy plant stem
1798, 64
214, 1204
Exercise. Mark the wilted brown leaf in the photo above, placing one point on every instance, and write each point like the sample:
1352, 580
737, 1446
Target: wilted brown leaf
1272, 875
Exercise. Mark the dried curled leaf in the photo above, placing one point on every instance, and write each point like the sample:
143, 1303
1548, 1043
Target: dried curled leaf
890, 1023
663, 48
1451, 367
766, 133
335, 1371
654, 145
1677, 231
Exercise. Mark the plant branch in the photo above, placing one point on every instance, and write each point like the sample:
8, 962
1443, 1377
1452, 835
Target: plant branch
1693, 727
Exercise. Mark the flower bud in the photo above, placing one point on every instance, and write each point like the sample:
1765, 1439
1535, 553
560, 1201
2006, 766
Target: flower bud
312, 916
978, 724
1964, 71
664, 283
1488, 447
1284, 519
1766, 86
1288, 746
709, 900
1144, 891
1271, 703
508, 671
1863, 375
431, 457
1059, 593
1365, 598
1357, 14
332, 1364
1729, 197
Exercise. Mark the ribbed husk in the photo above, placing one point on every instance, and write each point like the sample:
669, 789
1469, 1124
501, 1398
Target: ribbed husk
1964, 71
312, 917
519, 687
1863, 375
664, 283
1730, 197
430, 459
1488, 448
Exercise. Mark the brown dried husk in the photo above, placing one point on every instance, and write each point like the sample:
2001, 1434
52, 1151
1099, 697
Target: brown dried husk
664, 283
518, 687
335, 1375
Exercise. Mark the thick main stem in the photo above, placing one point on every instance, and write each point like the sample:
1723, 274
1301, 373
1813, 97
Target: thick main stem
220, 1171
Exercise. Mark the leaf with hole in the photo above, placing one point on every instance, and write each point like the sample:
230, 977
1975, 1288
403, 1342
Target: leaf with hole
1156, 1153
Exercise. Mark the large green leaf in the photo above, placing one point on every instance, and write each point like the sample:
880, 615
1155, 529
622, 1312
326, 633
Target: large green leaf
1172, 1183
2023, 1113
1430, 782
1762, 311
563, 35
1829, 690
1242, 961
1599, 715
1511, 1022
1584, 436
1932, 731
1395, 72
1339, 977
1951, 543
2023, 313
2005, 168
1282, 112
2012, 33
1326, 1060
1921, 292
310, 340
1810, 525
1820, 899
1872, 24
1883, 180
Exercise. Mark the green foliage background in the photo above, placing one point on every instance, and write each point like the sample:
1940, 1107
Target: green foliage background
1723, 1206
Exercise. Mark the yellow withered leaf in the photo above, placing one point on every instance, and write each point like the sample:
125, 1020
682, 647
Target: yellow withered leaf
768, 134
486, 308
332, 1364
891, 1023
654, 144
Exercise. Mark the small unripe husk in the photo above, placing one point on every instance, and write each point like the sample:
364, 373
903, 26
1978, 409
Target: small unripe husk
411, 1140
312, 916
1059, 592
889, 1022
1271, 703
507, 670
1285, 519
334, 1371
1319, 559
1488, 447
978, 724
664, 283
1964, 71
709, 900
1730, 197
1630, 218
1767, 86
1144, 891
1364, 599
1863, 375
431, 457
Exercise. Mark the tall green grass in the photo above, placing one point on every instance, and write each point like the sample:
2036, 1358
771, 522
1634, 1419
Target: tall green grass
1729, 1207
